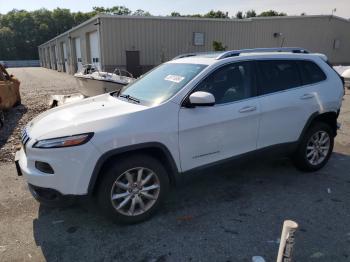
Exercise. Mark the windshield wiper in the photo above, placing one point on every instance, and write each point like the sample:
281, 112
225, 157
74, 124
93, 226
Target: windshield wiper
129, 97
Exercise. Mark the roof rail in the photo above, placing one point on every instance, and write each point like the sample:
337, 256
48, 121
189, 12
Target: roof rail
296, 50
184, 55
212, 53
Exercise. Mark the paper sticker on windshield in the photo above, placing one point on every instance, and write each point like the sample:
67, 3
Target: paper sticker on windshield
174, 78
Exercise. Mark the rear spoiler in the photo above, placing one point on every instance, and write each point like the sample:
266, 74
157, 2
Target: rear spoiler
323, 56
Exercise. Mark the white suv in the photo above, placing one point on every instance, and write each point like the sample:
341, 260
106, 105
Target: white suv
197, 110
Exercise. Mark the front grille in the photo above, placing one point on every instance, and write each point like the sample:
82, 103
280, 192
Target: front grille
24, 137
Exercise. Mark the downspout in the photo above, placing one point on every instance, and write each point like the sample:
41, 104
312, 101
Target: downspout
98, 23
70, 58
58, 56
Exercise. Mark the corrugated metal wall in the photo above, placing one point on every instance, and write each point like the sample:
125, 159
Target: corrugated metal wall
160, 39
157, 38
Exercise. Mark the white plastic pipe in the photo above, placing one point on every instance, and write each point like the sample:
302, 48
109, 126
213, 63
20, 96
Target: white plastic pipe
287, 241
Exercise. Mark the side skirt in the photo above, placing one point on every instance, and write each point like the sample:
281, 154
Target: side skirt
275, 151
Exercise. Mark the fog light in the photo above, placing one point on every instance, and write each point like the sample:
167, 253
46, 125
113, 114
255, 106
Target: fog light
44, 167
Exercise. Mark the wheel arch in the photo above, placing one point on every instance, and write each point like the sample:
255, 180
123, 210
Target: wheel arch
329, 118
158, 150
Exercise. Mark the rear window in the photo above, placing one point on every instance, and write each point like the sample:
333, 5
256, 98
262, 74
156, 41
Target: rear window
311, 73
278, 75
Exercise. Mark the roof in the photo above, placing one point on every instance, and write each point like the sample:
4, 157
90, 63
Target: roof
221, 19
192, 19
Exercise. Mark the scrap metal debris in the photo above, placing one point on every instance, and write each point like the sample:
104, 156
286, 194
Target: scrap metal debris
9, 90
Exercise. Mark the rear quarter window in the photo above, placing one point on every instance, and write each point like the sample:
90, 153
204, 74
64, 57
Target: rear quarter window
311, 73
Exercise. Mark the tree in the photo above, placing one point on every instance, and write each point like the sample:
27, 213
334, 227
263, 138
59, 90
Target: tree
140, 12
115, 10
272, 13
80, 17
175, 14
63, 20
250, 13
21, 32
239, 15
6, 43
216, 14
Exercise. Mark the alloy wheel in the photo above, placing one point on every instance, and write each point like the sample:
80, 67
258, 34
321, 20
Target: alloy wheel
135, 191
317, 148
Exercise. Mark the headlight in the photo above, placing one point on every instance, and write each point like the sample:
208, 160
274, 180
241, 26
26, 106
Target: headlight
65, 141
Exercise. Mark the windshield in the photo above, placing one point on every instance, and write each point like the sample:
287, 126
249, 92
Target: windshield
161, 83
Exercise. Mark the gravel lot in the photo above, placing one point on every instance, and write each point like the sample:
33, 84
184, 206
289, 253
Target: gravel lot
230, 214
36, 86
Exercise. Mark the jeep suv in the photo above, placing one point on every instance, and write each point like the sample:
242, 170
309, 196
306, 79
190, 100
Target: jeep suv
126, 148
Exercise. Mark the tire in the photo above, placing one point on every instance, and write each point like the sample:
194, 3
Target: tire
311, 155
126, 182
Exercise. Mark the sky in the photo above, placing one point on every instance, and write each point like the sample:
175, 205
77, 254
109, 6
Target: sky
165, 7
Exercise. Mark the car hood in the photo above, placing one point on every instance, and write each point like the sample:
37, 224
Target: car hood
80, 117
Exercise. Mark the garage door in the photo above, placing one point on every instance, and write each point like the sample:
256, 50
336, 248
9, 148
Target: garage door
65, 57
48, 57
57, 60
53, 57
94, 50
78, 54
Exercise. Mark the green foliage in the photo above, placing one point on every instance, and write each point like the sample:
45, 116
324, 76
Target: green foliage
115, 10
216, 14
175, 14
218, 46
272, 13
211, 14
250, 13
21, 32
140, 12
239, 15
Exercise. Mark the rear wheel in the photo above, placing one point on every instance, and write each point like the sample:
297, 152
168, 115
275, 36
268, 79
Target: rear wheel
315, 148
133, 188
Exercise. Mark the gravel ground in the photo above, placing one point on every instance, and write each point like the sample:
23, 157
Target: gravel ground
227, 214
36, 86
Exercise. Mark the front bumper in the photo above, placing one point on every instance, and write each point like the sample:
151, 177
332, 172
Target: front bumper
72, 168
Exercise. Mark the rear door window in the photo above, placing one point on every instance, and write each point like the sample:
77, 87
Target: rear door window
311, 73
278, 75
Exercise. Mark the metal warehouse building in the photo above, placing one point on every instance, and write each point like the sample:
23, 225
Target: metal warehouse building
140, 43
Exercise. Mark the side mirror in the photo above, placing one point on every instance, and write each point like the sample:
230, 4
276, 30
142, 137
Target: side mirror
201, 99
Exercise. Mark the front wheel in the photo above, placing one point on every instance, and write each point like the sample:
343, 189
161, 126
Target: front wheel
133, 188
315, 148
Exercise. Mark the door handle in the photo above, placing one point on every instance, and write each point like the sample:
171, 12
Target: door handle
307, 96
247, 109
